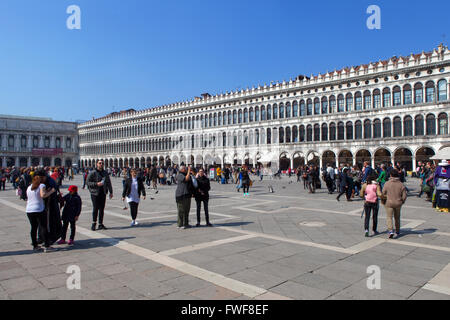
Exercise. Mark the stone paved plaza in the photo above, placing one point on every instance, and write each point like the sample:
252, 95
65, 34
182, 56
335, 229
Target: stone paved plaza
283, 245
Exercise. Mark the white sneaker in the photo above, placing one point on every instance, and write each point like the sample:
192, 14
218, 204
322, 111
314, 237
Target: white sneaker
132, 223
136, 223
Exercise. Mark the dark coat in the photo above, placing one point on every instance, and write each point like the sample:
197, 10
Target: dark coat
72, 207
127, 187
54, 226
202, 192
95, 177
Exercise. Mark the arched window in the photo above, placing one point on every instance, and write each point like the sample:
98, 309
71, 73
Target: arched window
349, 100
358, 101
376, 99
263, 113
295, 109
245, 115
316, 106
269, 135
288, 110
358, 130
240, 116
281, 110
442, 90
215, 120
324, 105
340, 131
341, 103
418, 93
316, 132
269, 112
431, 125
309, 107
349, 129
377, 128
220, 119
324, 132
309, 133
224, 139
257, 114
281, 134
288, 135
397, 92
332, 131
430, 92
302, 133
274, 111
419, 126
386, 128
407, 126
397, 127
386, 97
234, 116
257, 136
367, 129
230, 119
294, 134
367, 100
302, 108
443, 124
407, 94
251, 115
332, 108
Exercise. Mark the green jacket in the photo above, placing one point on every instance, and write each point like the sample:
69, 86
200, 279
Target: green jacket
382, 177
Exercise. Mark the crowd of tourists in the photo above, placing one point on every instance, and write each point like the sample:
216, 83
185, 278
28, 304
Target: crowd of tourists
40, 187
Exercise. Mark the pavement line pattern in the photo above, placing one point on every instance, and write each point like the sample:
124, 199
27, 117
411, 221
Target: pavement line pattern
441, 282
248, 290
204, 245
283, 239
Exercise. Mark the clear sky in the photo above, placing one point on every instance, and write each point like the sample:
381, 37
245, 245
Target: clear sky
143, 53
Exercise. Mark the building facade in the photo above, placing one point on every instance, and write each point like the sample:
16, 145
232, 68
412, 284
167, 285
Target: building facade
390, 110
28, 141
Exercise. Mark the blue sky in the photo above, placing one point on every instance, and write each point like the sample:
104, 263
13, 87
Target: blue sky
143, 53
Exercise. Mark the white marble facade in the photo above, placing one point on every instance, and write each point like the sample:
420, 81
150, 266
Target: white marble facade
390, 110
20, 135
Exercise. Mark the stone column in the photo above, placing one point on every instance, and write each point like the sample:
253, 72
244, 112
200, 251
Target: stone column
29, 162
41, 141
292, 162
414, 165
17, 162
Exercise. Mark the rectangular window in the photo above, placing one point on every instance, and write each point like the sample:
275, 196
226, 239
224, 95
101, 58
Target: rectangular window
358, 103
397, 99
377, 101
341, 105
332, 106
324, 107
367, 102
408, 97
349, 104
386, 100
418, 96
430, 94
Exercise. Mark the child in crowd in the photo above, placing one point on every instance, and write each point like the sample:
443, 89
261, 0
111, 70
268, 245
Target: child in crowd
72, 209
